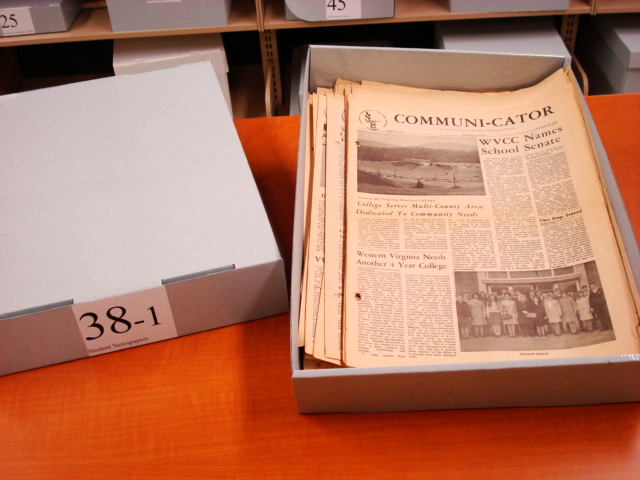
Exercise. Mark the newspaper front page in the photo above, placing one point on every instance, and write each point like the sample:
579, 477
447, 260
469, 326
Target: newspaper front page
477, 229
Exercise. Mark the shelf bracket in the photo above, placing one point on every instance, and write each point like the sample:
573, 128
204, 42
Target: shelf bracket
569, 31
271, 70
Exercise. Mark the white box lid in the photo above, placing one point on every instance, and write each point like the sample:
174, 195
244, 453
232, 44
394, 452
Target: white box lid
112, 185
622, 34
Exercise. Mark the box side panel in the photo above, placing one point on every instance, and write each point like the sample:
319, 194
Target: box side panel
429, 68
298, 221
297, 260
52, 336
230, 297
512, 387
48, 18
617, 203
70, 10
39, 339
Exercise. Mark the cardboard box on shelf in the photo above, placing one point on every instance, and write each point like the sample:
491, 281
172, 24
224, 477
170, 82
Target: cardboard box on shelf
147, 223
536, 382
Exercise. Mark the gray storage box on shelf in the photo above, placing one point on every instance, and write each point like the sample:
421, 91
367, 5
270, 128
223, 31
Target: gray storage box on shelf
570, 381
478, 6
141, 15
323, 10
136, 55
531, 36
25, 17
147, 223
608, 48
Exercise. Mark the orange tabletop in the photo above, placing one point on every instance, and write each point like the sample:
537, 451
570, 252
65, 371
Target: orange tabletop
220, 404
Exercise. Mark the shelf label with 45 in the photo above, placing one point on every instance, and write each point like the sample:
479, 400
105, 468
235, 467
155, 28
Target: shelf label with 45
125, 321
343, 9
16, 21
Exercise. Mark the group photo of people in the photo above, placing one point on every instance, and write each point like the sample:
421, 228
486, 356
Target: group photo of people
517, 319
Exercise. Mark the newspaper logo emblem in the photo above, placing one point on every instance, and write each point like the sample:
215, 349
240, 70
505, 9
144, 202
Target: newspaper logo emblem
373, 119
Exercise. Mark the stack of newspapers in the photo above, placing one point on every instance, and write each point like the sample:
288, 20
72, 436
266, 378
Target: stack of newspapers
458, 227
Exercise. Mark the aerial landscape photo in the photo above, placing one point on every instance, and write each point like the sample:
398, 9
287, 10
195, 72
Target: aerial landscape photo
399, 164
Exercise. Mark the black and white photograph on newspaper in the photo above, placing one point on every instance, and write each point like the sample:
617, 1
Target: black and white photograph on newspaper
550, 309
403, 164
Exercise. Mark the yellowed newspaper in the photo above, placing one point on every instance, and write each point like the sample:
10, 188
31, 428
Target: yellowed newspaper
476, 230
334, 226
465, 227
308, 163
314, 265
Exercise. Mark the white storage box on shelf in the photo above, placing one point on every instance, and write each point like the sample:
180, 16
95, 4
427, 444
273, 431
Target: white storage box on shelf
25, 17
478, 6
129, 215
608, 46
323, 10
142, 15
492, 384
135, 55
531, 36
